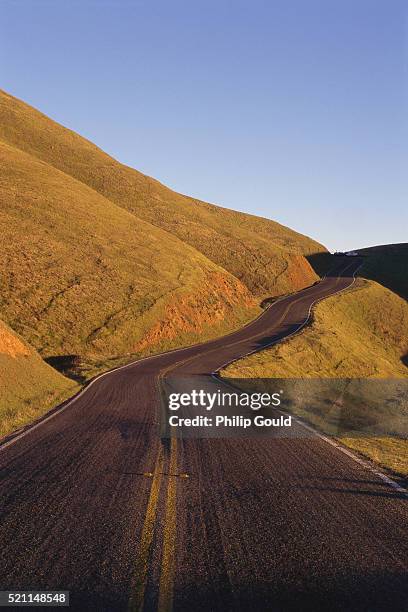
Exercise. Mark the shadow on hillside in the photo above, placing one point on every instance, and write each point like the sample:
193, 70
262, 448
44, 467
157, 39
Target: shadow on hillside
396, 285
404, 360
321, 262
68, 365
387, 265
326, 264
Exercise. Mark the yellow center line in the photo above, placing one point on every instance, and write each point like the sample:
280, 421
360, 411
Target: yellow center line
253, 337
139, 584
169, 537
166, 584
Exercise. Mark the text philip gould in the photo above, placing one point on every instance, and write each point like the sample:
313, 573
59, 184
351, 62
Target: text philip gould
237, 403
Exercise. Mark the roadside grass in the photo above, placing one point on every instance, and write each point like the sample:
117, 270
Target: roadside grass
360, 334
105, 264
29, 387
389, 452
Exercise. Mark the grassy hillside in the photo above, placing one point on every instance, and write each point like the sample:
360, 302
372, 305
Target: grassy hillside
266, 256
28, 385
101, 263
80, 275
362, 333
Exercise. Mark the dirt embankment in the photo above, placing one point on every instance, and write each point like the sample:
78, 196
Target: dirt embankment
201, 314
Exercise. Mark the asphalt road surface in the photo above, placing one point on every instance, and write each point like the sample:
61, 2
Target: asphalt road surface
94, 502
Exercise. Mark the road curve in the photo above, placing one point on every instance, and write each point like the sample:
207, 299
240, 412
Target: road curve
92, 501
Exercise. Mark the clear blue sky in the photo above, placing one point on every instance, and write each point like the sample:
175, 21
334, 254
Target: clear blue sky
291, 109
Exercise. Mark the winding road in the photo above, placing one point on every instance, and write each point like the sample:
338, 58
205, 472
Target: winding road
94, 502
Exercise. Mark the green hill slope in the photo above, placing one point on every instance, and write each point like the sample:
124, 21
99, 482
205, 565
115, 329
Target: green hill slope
79, 275
362, 333
28, 385
266, 256
101, 263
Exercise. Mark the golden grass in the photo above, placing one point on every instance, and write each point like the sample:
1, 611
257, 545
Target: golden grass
362, 333
29, 387
266, 256
390, 453
98, 255
81, 275
103, 262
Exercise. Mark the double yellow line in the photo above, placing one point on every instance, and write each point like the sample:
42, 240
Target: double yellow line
167, 570
142, 564
136, 601
165, 603
169, 536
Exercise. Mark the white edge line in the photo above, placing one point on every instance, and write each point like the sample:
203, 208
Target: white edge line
355, 458
257, 350
216, 376
56, 411
334, 443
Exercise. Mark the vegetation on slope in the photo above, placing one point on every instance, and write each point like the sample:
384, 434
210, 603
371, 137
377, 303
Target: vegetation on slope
82, 276
105, 262
28, 385
266, 256
362, 333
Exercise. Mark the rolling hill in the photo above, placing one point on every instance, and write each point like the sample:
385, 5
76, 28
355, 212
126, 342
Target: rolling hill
362, 333
102, 260
81, 275
102, 263
266, 256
